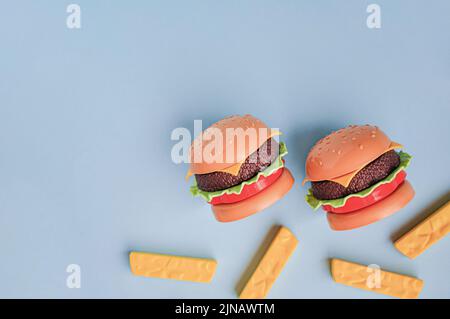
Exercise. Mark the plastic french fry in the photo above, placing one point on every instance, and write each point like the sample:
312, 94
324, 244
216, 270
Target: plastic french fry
375, 279
271, 265
426, 233
172, 267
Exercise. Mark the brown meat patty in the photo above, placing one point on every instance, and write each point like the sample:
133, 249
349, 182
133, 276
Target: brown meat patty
372, 173
254, 164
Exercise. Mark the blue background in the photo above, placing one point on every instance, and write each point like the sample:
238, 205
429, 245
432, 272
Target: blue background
86, 116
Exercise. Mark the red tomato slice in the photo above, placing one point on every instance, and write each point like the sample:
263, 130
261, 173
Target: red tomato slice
382, 191
248, 190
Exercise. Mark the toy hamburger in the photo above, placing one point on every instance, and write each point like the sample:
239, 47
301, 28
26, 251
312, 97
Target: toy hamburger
238, 167
357, 176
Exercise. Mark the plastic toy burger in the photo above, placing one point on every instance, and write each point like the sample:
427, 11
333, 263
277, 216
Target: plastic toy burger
239, 167
357, 176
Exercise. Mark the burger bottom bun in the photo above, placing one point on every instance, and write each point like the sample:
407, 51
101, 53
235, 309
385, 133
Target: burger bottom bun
382, 209
239, 210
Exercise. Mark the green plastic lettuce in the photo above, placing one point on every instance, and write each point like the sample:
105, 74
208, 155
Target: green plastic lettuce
276, 164
315, 203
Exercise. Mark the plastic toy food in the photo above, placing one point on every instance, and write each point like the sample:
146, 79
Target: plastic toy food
172, 267
270, 266
426, 233
357, 177
375, 279
239, 167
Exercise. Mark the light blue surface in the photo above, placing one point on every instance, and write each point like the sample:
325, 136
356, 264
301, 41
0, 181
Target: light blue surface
86, 117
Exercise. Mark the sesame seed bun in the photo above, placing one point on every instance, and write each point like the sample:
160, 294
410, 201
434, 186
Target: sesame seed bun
344, 151
237, 152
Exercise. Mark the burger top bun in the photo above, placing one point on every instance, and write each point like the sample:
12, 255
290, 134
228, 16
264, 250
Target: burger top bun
210, 153
344, 151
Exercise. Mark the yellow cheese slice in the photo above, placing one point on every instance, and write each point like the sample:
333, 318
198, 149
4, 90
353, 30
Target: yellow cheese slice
429, 231
346, 179
270, 266
235, 168
376, 280
172, 267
